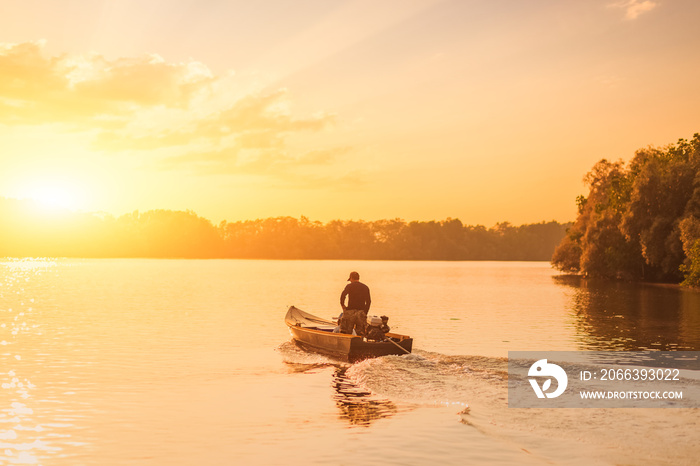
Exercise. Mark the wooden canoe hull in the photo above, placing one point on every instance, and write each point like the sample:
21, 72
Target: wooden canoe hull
314, 334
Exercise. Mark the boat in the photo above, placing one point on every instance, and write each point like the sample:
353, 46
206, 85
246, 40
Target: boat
313, 333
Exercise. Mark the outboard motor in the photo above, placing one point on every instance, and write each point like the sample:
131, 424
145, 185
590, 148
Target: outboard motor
385, 324
376, 328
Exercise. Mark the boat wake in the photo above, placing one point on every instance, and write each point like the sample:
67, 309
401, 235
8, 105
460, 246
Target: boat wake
475, 389
425, 378
420, 378
547, 436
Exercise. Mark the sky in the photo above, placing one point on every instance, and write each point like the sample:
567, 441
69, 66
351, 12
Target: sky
486, 111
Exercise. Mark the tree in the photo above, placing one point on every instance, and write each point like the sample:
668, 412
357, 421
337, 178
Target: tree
636, 222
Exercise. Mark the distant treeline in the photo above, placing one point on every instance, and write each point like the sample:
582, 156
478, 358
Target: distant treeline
176, 234
640, 221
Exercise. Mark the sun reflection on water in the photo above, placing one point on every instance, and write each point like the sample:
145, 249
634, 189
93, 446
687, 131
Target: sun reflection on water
25, 434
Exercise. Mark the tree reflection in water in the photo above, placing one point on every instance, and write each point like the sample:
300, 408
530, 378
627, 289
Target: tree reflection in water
359, 407
616, 315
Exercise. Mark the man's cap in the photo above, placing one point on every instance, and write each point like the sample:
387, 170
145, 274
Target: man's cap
354, 276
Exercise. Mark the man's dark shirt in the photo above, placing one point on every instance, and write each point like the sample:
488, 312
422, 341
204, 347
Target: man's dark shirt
358, 296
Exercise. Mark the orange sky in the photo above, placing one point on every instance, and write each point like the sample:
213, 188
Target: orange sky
482, 110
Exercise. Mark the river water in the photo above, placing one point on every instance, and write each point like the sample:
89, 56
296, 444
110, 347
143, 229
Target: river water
185, 362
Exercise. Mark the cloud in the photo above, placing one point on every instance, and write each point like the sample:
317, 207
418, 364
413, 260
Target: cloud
239, 159
634, 8
177, 115
81, 90
254, 121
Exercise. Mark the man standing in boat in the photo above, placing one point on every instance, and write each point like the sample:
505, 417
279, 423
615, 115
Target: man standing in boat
355, 312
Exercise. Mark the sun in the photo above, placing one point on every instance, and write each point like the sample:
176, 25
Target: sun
50, 192
53, 196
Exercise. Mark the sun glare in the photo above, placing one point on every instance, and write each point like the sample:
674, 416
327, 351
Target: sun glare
54, 197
